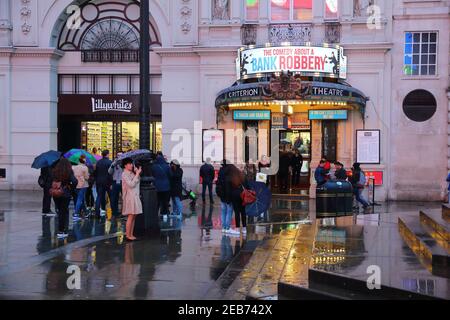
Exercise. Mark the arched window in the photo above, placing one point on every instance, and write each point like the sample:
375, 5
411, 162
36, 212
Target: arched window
419, 105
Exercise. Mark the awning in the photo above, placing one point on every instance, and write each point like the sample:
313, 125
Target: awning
313, 92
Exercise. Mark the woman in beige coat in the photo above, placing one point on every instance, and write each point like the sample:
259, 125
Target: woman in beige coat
132, 204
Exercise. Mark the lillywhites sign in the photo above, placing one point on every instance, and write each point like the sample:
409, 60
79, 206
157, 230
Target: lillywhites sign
121, 105
328, 61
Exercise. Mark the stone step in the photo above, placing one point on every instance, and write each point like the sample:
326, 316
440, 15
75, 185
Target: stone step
332, 286
446, 212
430, 253
439, 226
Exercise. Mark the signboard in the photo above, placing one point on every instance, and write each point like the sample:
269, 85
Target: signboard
300, 121
251, 115
377, 176
280, 121
213, 145
368, 146
255, 62
327, 114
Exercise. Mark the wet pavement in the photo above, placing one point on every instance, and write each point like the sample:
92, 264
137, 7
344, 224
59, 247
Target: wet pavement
192, 259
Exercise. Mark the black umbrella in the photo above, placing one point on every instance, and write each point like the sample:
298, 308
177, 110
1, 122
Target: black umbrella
46, 159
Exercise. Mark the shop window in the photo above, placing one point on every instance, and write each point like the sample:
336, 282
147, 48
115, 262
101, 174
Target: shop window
419, 105
286, 10
251, 10
329, 140
420, 56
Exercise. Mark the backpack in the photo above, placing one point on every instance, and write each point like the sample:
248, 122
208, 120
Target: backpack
41, 181
362, 179
56, 191
248, 196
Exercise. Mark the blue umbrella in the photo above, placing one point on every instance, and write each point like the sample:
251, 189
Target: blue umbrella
263, 199
46, 159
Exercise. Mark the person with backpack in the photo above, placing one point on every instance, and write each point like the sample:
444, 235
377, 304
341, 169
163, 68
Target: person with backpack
176, 187
358, 180
81, 172
63, 183
161, 173
207, 174
103, 183
223, 191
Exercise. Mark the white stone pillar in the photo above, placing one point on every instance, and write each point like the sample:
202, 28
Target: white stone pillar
5, 23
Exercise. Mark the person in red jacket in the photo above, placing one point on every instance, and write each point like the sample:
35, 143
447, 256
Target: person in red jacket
327, 167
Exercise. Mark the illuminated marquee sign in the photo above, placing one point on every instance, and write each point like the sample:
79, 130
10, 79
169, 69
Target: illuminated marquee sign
327, 61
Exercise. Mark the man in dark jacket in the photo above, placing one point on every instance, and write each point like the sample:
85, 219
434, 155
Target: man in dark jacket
46, 176
161, 173
283, 170
223, 190
340, 173
207, 174
176, 187
103, 182
297, 163
358, 181
320, 173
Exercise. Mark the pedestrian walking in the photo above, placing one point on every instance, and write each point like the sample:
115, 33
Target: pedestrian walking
45, 182
132, 205
103, 182
223, 191
207, 174
91, 190
116, 172
340, 173
297, 163
81, 172
250, 170
283, 171
237, 180
63, 183
358, 180
320, 174
176, 187
161, 173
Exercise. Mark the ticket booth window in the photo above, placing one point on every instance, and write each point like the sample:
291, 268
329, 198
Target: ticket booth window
329, 139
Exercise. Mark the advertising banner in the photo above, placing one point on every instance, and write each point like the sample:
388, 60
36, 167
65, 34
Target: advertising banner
324, 60
328, 114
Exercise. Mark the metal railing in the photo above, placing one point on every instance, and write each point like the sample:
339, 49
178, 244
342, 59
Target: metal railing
109, 55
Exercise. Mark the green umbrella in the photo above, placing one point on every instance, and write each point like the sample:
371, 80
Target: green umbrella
74, 155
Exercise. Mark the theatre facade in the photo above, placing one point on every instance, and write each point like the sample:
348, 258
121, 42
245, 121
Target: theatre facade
321, 75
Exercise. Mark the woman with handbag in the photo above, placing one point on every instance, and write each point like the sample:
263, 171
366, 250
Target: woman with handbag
237, 179
63, 183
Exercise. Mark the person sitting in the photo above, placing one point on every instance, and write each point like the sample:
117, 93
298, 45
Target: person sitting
320, 174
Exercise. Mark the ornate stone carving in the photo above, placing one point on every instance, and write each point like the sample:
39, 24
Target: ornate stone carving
185, 16
360, 7
186, 11
286, 86
186, 27
25, 13
220, 10
249, 34
289, 33
332, 32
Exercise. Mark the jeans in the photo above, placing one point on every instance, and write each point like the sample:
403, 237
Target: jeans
177, 206
81, 193
116, 190
163, 202
227, 213
359, 197
296, 176
62, 205
209, 185
101, 197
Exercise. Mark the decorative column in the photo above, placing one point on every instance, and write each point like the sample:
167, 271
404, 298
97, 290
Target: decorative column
5, 24
316, 153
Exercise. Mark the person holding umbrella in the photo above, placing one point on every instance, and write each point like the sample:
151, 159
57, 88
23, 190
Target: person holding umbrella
116, 171
103, 182
132, 205
81, 172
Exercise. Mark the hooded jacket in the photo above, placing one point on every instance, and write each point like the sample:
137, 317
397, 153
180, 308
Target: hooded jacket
161, 173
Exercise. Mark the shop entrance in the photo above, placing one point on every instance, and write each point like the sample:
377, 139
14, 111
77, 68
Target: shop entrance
289, 180
117, 136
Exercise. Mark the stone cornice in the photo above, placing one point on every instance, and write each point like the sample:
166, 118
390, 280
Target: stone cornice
194, 51
367, 47
31, 52
420, 16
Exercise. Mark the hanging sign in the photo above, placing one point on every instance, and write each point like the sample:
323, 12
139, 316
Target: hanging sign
251, 114
328, 115
368, 146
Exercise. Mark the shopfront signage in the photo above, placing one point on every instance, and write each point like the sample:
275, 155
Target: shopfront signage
368, 146
251, 115
121, 105
328, 115
328, 61
324, 91
281, 121
300, 121
244, 93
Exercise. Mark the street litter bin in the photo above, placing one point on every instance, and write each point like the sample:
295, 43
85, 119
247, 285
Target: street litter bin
334, 198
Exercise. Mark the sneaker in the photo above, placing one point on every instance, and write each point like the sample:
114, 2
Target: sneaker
164, 217
224, 230
61, 235
244, 230
234, 232
50, 214
102, 213
76, 218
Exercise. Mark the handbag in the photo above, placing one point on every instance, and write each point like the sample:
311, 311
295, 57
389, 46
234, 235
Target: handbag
56, 191
248, 196
261, 177
41, 181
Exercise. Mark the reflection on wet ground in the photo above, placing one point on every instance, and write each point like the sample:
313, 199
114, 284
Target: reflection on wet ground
192, 259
